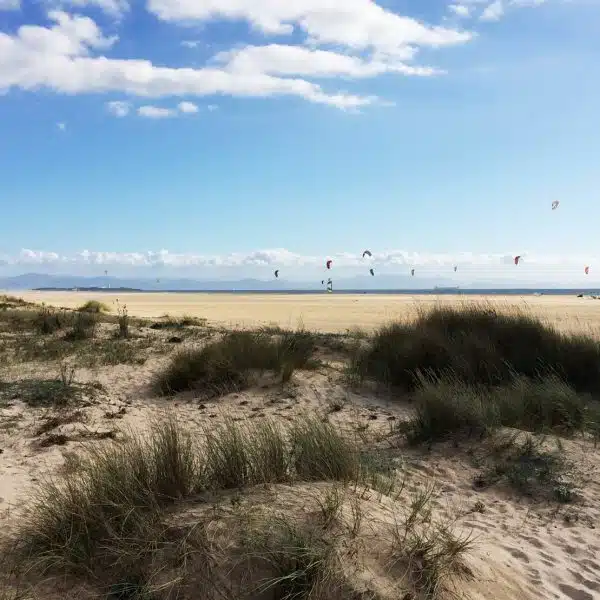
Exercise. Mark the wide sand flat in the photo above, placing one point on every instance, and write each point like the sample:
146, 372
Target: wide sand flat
324, 312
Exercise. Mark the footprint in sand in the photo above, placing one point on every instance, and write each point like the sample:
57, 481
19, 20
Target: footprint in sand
574, 593
533, 541
516, 553
590, 565
581, 580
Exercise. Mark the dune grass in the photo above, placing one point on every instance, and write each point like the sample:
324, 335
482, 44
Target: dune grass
530, 467
94, 306
479, 345
227, 364
450, 408
110, 521
120, 488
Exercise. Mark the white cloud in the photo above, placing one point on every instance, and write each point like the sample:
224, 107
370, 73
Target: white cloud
282, 60
460, 10
10, 4
493, 11
59, 58
394, 260
114, 8
62, 126
156, 112
118, 108
212, 107
190, 43
187, 107
357, 24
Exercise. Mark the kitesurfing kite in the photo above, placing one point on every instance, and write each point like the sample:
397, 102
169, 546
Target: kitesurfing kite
276, 273
455, 268
587, 270
555, 204
372, 271
329, 263
517, 259
367, 253
412, 272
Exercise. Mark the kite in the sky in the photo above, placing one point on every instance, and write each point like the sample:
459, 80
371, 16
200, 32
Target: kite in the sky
587, 270
329, 263
367, 253
455, 268
517, 259
372, 271
412, 272
277, 273
555, 204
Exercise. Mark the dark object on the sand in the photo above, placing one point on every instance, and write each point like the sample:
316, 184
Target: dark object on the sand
175, 340
580, 295
54, 439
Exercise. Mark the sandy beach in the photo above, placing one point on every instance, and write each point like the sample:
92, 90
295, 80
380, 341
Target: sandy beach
523, 547
321, 312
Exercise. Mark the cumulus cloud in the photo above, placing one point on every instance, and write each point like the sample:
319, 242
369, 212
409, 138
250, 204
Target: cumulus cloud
114, 8
190, 43
155, 112
61, 58
118, 108
282, 60
395, 260
493, 11
357, 24
187, 107
460, 10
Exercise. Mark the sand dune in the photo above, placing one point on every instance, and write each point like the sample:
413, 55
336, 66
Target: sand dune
322, 312
524, 549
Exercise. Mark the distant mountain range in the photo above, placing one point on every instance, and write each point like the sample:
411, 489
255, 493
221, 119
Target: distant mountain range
29, 281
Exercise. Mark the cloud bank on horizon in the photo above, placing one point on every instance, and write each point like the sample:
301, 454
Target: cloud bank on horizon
260, 263
307, 45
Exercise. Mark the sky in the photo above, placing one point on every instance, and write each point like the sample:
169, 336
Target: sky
211, 137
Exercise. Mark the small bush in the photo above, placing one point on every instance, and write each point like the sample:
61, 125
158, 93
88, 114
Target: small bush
426, 551
321, 453
302, 558
479, 345
94, 306
530, 469
447, 408
83, 327
227, 365
49, 393
546, 405
82, 521
123, 319
49, 320
238, 456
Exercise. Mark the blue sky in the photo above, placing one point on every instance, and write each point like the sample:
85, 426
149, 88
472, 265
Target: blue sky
176, 136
